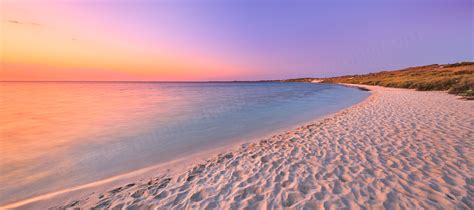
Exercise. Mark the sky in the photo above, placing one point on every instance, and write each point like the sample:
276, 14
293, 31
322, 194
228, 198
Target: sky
197, 40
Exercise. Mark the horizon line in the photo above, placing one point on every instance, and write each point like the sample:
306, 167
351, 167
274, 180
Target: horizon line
145, 81
163, 81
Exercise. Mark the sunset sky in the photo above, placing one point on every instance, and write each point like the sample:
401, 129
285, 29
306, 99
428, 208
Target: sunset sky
227, 40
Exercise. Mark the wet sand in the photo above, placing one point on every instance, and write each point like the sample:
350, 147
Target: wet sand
397, 149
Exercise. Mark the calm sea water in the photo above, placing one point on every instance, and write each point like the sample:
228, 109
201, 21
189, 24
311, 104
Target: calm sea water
61, 134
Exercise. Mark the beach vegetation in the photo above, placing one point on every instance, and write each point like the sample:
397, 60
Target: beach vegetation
457, 78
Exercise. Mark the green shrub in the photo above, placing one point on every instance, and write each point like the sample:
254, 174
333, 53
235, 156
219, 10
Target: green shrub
457, 78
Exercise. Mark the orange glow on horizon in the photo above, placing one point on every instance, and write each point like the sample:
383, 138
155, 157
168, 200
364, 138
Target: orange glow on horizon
52, 51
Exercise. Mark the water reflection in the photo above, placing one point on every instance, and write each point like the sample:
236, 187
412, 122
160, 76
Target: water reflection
55, 135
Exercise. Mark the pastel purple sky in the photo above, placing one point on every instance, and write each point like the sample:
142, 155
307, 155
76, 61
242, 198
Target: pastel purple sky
228, 40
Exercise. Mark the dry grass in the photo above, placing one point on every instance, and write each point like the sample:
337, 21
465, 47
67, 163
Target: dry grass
456, 78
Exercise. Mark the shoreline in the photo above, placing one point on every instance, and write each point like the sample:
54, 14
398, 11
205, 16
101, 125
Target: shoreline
168, 168
397, 148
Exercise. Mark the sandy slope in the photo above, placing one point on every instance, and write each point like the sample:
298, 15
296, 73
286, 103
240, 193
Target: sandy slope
399, 148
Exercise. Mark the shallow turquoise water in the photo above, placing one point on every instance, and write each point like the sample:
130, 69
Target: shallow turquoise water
61, 134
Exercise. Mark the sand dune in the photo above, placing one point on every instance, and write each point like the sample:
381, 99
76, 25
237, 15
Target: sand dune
398, 149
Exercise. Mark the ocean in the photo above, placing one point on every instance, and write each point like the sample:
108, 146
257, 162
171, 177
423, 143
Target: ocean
62, 134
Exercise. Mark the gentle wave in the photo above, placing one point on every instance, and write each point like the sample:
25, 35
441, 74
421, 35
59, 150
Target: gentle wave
60, 134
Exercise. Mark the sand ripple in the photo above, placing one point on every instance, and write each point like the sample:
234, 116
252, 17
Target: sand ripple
398, 149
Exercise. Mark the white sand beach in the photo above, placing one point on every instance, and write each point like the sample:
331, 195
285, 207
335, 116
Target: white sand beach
397, 149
